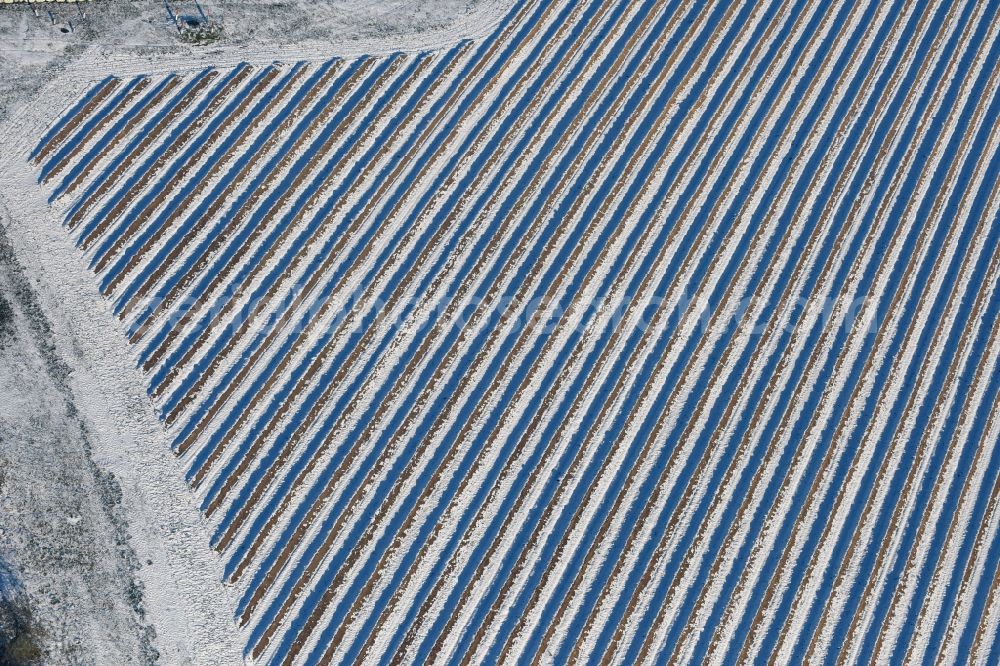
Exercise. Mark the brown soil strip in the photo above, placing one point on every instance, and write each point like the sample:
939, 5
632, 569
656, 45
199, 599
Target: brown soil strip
244, 211
844, 423
369, 208
221, 273
176, 170
940, 574
922, 449
726, 418
97, 129
553, 289
80, 116
322, 231
126, 162
223, 198
759, 411
125, 201
110, 146
298, 215
654, 436
489, 252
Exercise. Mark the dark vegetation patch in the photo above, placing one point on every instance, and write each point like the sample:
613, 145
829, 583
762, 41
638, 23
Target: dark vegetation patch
6, 321
196, 31
21, 637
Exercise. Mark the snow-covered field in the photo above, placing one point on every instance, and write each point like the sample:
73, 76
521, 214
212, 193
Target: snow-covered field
57, 535
622, 331
64, 537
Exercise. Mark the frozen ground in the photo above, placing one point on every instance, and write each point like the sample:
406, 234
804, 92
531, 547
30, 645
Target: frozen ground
125, 36
72, 597
104, 558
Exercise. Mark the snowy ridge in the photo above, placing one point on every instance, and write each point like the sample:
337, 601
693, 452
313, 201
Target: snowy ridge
633, 332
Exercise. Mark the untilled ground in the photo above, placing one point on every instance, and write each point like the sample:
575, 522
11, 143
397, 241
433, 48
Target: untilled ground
40, 41
67, 571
